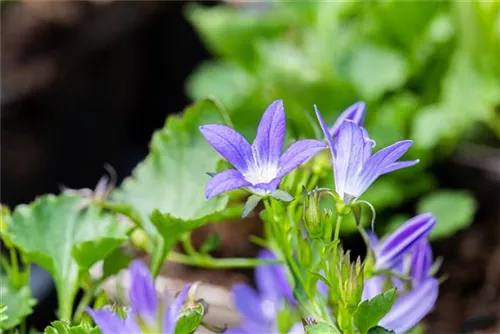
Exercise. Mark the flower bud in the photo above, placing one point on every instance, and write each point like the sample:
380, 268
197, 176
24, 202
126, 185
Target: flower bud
314, 218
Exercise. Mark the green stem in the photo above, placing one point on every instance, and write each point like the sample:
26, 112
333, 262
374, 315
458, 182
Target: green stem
14, 265
336, 235
85, 301
65, 301
188, 245
215, 263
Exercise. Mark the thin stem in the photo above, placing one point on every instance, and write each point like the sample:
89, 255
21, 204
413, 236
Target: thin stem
85, 301
336, 235
215, 263
188, 245
14, 265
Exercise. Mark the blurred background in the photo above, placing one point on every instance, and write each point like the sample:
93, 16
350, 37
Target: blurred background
85, 83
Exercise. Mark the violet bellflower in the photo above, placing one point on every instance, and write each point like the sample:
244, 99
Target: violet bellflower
354, 113
259, 309
259, 166
412, 255
148, 313
354, 166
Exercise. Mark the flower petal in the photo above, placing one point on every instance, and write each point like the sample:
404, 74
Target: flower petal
349, 159
398, 165
270, 134
108, 322
172, 313
326, 131
230, 144
142, 294
381, 163
272, 281
266, 188
297, 328
372, 287
391, 250
248, 304
222, 182
297, 153
410, 308
421, 262
354, 113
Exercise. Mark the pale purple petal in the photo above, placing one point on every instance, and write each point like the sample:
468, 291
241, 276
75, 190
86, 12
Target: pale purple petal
297, 153
372, 239
349, 159
326, 131
380, 163
237, 330
297, 328
172, 313
391, 250
248, 303
410, 308
265, 188
398, 165
108, 322
272, 281
142, 294
270, 134
354, 113
373, 287
222, 182
421, 262
230, 144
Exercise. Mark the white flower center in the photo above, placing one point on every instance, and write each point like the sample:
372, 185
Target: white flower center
268, 308
259, 171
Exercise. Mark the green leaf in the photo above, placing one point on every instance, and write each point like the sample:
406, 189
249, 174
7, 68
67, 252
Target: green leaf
210, 244
454, 211
65, 241
370, 312
319, 328
230, 31
282, 195
227, 81
172, 178
62, 327
375, 70
171, 228
16, 304
379, 330
115, 261
190, 319
250, 205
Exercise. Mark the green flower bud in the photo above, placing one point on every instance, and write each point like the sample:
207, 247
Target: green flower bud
315, 219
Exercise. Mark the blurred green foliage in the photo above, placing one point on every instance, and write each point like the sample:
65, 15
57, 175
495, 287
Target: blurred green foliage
428, 70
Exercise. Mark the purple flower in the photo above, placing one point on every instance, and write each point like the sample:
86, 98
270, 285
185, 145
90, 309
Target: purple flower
354, 113
258, 309
354, 166
390, 251
413, 305
259, 166
148, 312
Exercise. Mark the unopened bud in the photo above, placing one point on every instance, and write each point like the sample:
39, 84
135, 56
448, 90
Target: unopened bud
315, 219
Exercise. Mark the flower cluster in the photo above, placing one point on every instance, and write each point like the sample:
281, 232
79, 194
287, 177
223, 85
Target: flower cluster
260, 167
148, 313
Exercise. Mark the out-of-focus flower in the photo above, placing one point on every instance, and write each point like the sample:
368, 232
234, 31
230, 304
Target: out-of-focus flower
259, 309
390, 251
148, 313
412, 304
259, 166
354, 166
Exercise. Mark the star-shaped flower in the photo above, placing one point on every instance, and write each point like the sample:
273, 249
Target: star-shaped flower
354, 166
260, 166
